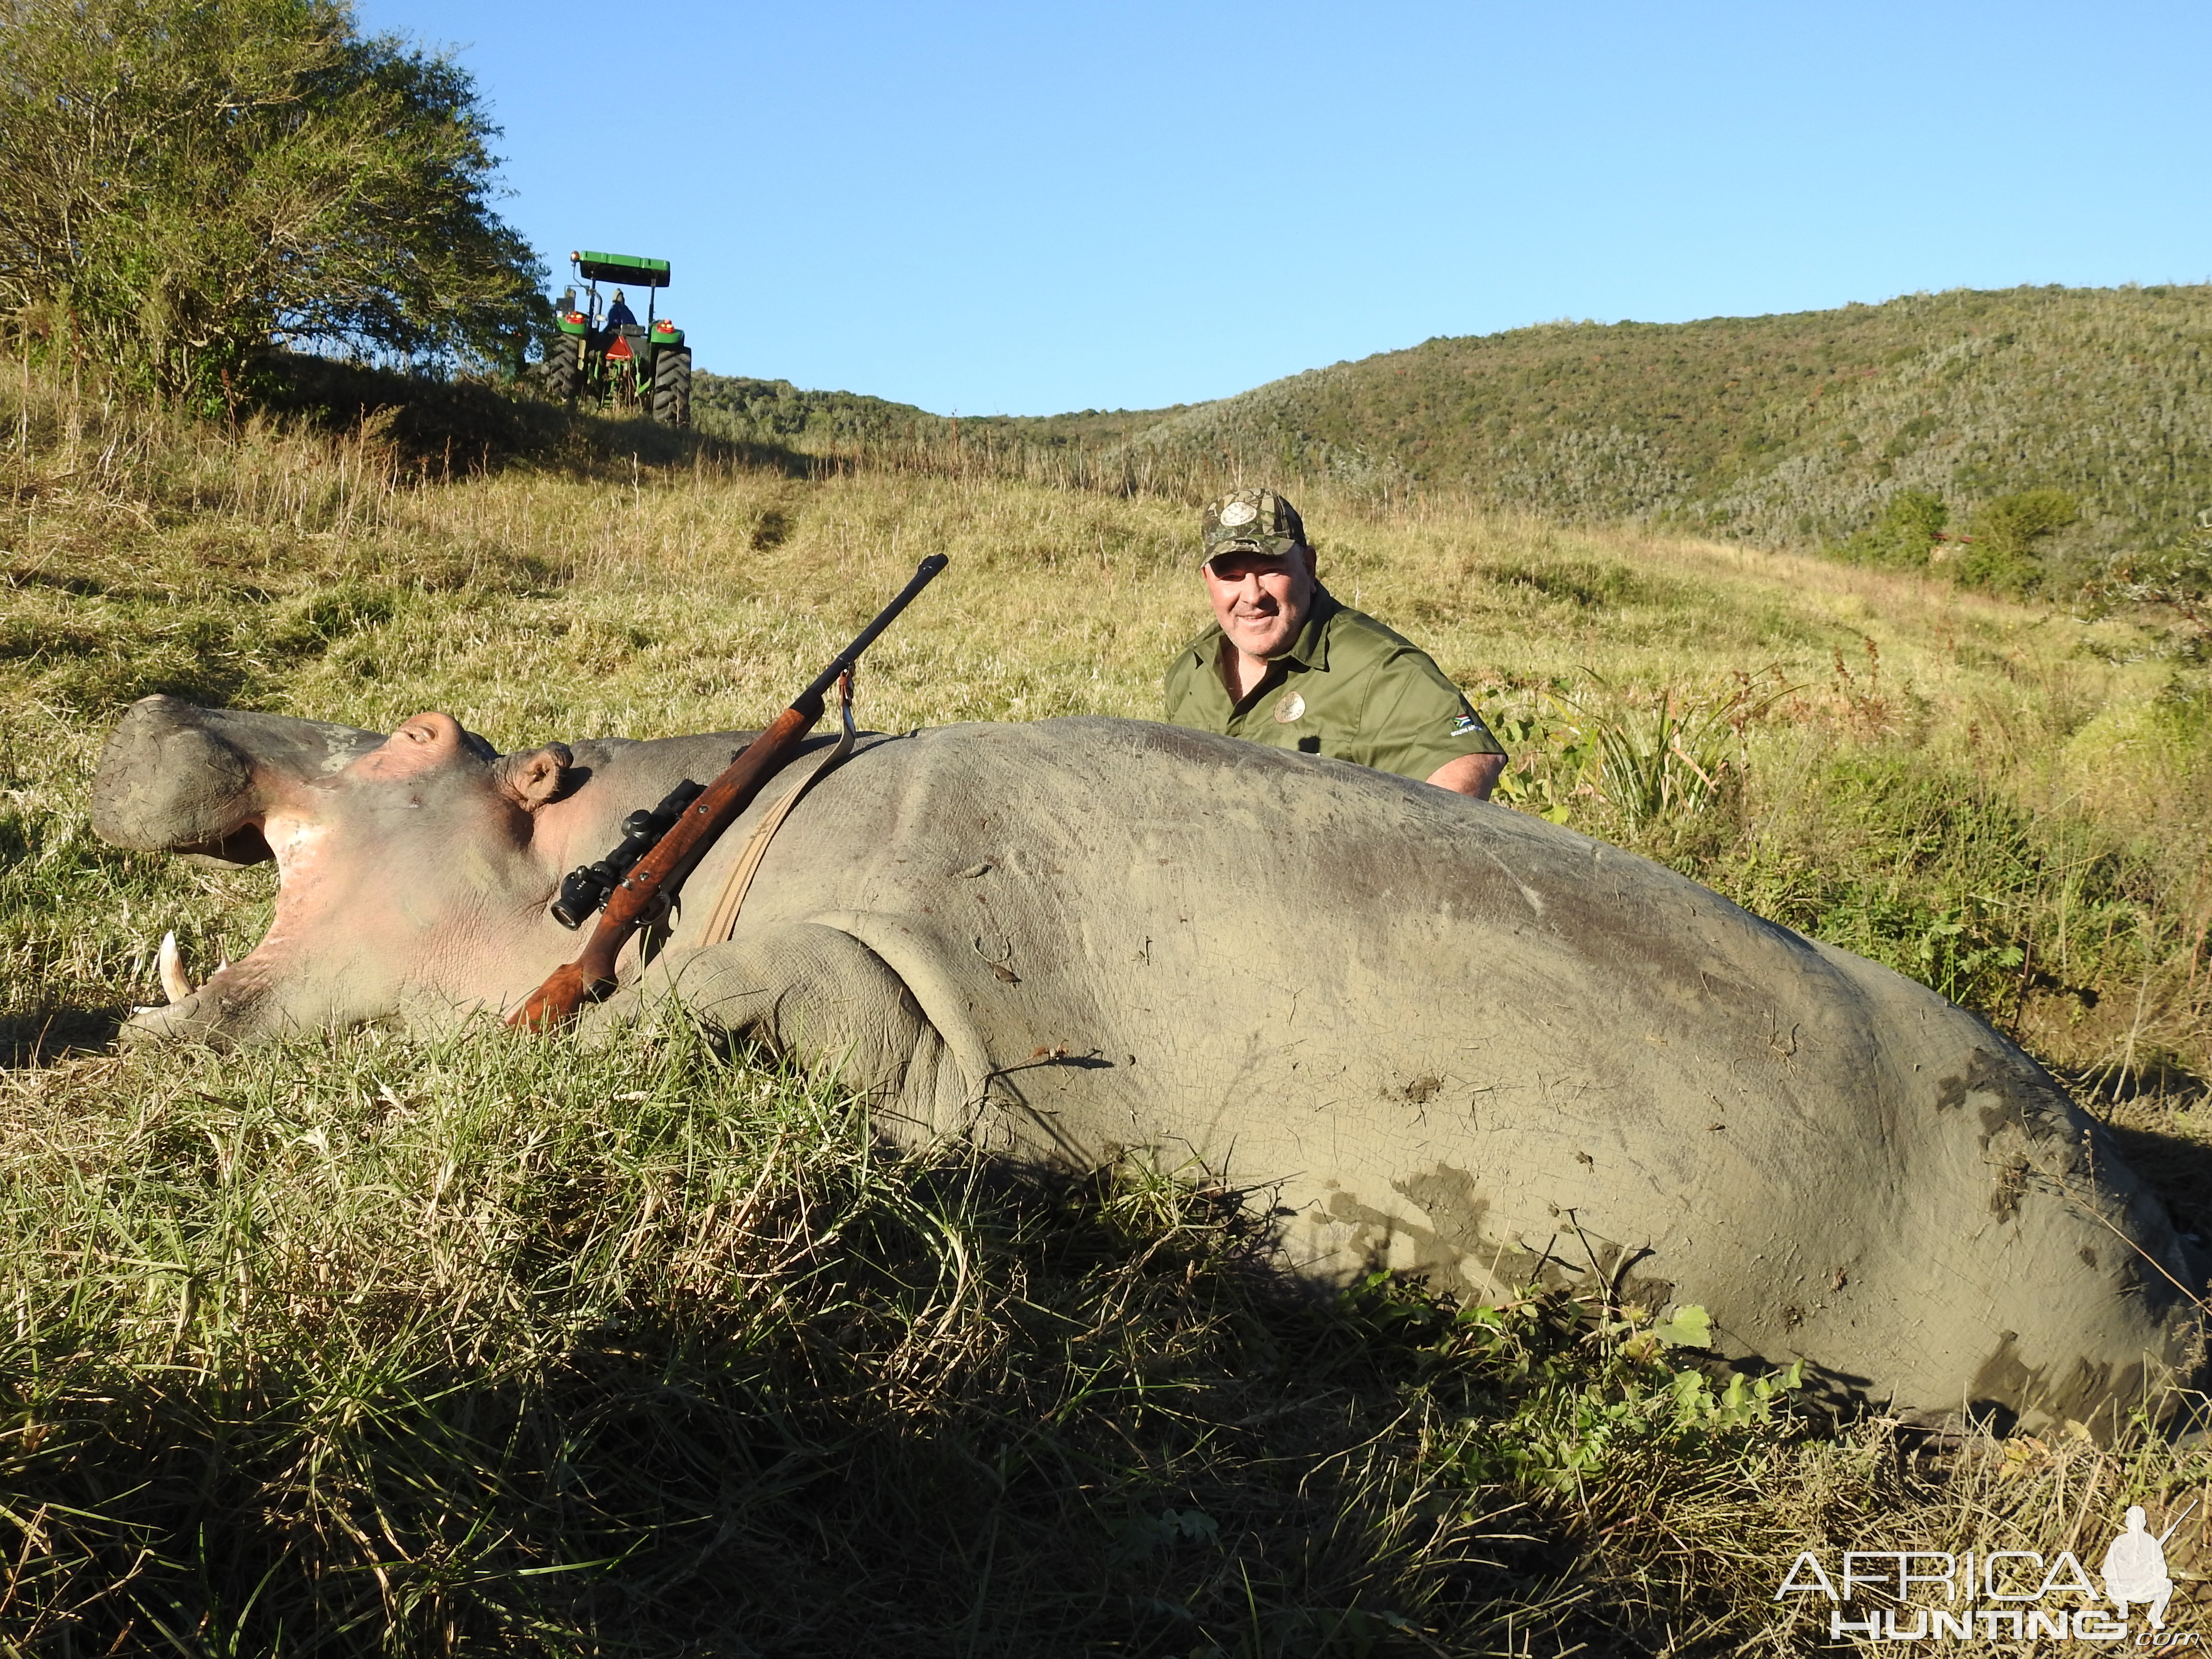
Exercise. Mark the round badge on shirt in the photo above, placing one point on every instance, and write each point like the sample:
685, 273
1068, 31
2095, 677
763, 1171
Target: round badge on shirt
1291, 706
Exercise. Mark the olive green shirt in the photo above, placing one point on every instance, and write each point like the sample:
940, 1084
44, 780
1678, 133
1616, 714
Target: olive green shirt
1347, 688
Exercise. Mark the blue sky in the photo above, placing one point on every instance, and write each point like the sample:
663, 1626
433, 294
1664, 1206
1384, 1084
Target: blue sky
986, 208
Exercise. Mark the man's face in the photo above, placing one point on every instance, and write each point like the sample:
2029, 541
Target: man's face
1261, 599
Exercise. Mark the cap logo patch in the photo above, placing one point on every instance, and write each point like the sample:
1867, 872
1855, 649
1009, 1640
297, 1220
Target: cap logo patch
1238, 513
1291, 708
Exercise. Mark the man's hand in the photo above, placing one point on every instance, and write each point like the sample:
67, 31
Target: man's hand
1470, 775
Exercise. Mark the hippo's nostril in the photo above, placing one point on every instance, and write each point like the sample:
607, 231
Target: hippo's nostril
176, 984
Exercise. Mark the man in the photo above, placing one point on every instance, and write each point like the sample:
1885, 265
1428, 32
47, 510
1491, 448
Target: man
619, 315
1286, 665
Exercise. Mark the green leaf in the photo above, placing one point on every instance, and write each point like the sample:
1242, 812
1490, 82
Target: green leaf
1690, 1328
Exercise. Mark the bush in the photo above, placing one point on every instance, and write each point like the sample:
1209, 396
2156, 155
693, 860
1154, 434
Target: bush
2001, 553
1907, 532
180, 182
2176, 579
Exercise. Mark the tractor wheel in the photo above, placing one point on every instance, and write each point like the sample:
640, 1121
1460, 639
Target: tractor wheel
671, 386
560, 372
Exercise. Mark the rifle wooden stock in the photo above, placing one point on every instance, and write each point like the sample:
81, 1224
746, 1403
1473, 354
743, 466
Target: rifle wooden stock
661, 872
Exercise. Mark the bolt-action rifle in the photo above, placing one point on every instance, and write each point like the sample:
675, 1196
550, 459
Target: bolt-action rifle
635, 884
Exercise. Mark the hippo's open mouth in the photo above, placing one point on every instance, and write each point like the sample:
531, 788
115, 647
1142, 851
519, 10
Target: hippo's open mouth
406, 864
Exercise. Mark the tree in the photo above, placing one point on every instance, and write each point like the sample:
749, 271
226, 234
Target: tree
1909, 526
2003, 553
184, 181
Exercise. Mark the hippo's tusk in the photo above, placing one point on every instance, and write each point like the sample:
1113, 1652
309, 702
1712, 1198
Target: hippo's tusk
175, 984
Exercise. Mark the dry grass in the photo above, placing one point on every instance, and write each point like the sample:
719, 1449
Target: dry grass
349, 1345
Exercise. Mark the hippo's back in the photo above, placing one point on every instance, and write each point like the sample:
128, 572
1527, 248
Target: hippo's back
1464, 1039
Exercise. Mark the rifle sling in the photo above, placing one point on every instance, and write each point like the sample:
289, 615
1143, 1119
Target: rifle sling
722, 920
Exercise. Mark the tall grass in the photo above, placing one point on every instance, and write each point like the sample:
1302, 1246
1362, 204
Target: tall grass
502, 1345
366, 1345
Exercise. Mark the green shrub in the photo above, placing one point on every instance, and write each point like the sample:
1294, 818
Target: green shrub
2176, 579
1909, 528
256, 169
2001, 552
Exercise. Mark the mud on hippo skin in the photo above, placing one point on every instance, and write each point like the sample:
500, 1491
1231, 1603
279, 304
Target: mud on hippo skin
1447, 1037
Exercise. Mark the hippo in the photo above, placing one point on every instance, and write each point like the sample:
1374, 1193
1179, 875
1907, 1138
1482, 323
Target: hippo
1418, 1032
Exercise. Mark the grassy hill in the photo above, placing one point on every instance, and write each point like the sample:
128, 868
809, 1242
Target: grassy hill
1785, 431
733, 406
367, 1345
1782, 430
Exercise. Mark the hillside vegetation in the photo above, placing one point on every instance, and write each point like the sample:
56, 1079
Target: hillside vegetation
367, 1345
734, 406
1784, 430
2026, 438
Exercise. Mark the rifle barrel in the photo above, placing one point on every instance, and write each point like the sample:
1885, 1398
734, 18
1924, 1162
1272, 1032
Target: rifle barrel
842, 663
2176, 1527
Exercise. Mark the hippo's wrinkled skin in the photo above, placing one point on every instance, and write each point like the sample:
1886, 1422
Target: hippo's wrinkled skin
1451, 1038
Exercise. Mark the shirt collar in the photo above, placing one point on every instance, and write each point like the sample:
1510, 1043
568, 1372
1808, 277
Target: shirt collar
1310, 649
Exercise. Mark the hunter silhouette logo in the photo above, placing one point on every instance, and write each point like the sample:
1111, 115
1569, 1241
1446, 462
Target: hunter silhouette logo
1994, 1595
2134, 1569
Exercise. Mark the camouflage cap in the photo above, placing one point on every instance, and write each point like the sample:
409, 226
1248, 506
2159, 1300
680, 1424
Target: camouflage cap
1256, 520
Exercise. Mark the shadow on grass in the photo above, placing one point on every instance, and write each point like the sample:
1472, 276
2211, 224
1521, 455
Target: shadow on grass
444, 427
45, 1035
2149, 1109
2160, 1081
1156, 1447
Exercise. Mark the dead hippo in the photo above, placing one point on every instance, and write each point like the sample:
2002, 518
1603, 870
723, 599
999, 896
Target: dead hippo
1439, 1034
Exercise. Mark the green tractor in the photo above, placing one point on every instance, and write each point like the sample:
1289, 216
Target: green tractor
612, 362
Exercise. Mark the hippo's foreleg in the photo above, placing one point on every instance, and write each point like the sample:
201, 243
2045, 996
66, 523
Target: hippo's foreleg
817, 995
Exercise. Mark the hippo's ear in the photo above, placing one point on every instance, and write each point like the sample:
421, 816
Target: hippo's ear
532, 778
